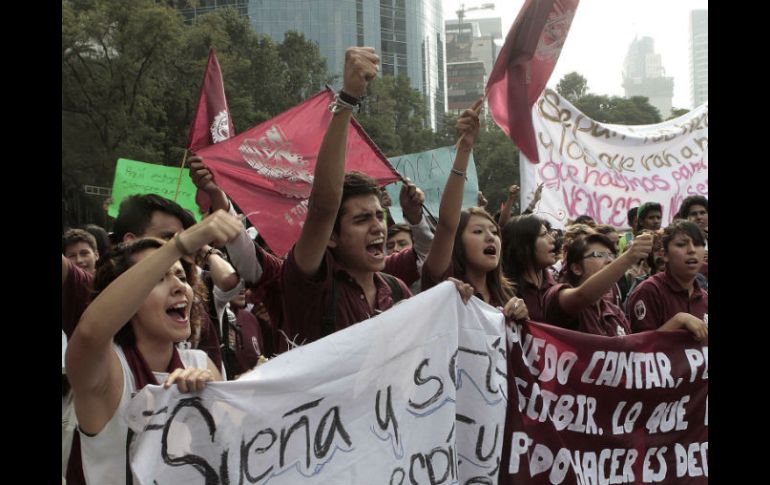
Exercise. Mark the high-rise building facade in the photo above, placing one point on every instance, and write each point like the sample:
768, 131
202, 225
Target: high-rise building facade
644, 75
192, 10
699, 57
471, 51
407, 35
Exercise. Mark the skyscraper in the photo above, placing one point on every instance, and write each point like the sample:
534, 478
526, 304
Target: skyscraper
699, 57
471, 51
408, 36
192, 10
644, 75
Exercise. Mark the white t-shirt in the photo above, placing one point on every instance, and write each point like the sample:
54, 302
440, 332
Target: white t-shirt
104, 454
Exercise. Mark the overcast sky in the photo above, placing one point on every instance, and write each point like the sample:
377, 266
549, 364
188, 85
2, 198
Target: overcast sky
601, 33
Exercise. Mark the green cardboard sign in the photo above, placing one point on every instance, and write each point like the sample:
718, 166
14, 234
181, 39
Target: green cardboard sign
132, 177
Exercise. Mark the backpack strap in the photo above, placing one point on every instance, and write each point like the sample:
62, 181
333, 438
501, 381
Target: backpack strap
395, 288
329, 318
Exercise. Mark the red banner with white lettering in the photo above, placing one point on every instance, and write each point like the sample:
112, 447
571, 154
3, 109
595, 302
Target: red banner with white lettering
524, 65
588, 409
268, 170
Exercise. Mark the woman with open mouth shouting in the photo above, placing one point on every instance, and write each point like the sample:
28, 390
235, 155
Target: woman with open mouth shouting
125, 338
467, 242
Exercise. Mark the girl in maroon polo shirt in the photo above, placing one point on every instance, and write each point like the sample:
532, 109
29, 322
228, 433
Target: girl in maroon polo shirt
467, 243
585, 258
673, 299
528, 251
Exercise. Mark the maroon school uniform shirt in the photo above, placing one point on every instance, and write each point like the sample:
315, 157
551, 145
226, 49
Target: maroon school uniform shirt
604, 317
209, 341
451, 272
75, 297
536, 299
658, 298
268, 291
247, 341
306, 298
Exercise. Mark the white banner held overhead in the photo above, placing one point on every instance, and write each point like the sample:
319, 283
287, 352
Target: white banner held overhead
603, 170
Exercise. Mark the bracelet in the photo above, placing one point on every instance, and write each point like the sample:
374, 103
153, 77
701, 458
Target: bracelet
180, 246
213, 250
458, 172
349, 99
338, 104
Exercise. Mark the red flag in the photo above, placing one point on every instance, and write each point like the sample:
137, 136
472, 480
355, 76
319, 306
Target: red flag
268, 170
524, 65
212, 122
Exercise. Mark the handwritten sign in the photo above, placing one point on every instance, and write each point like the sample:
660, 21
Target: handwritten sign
435, 391
416, 394
429, 171
603, 170
132, 177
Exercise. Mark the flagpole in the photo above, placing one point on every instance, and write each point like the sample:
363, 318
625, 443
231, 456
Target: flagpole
181, 170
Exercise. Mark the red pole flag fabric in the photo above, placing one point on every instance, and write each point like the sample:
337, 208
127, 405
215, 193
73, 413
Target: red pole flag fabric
268, 170
212, 122
586, 408
524, 65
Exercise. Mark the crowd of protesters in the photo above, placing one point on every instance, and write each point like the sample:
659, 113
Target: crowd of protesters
164, 300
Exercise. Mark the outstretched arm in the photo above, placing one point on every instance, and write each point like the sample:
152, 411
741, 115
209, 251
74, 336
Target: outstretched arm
505, 213
574, 300
326, 195
451, 200
92, 367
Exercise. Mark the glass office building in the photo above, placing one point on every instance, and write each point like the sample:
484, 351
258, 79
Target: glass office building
407, 34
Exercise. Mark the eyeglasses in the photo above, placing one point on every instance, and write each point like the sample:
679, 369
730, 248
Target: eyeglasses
600, 254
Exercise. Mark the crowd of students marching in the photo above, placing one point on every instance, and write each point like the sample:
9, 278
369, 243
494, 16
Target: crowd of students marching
163, 300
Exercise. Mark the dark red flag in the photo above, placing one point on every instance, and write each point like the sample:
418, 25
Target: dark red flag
524, 65
268, 170
212, 122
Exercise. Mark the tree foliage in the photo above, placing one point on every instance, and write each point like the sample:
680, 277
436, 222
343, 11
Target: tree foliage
636, 110
394, 116
572, 86
131, 74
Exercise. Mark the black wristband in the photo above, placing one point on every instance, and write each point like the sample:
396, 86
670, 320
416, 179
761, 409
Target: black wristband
349, 99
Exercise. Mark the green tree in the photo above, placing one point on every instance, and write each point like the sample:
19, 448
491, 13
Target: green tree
304, 69
497, 164
677, 112
636, 110
572, 86
131, 74
393, 115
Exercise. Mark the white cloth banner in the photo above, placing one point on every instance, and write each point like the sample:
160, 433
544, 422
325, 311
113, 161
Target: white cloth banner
603, 170
414, 395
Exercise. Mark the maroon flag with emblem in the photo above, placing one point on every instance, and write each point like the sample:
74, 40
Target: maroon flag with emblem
268, 170
212, 122
524, 65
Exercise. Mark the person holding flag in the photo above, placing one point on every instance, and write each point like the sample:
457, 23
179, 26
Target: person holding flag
467, 242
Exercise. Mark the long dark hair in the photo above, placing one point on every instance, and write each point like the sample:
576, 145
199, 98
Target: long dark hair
121, 258
500, 288
520, 234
